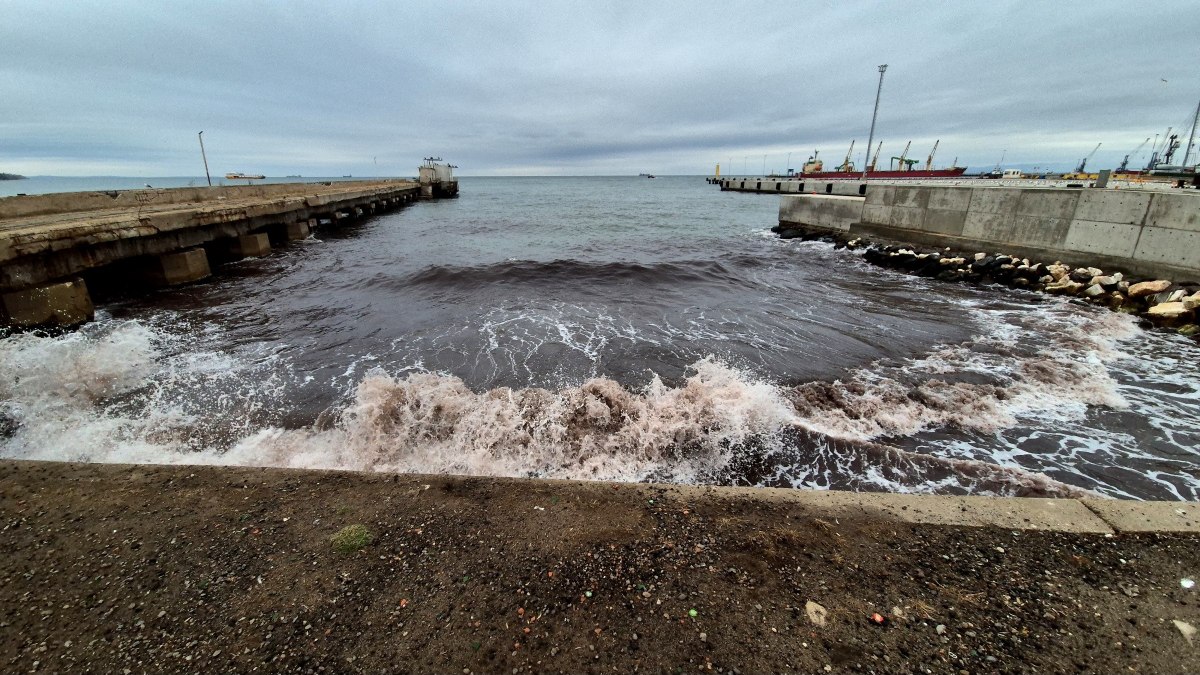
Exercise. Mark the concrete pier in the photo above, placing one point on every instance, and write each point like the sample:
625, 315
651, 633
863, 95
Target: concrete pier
47, 242
1143, 232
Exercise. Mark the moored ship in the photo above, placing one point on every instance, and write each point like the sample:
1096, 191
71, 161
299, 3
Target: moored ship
902, 167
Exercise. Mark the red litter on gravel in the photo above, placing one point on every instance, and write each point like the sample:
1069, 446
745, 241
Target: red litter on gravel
879, 619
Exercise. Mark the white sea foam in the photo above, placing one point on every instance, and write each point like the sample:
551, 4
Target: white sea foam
124, 391
1015, 376
434, 423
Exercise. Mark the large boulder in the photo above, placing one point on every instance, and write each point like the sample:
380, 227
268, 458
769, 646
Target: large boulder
1168, 310
1192, 301
1148, 288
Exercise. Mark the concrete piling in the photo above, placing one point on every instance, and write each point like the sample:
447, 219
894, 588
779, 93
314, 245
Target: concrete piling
63, 304
300, 230
248, 246
178, 268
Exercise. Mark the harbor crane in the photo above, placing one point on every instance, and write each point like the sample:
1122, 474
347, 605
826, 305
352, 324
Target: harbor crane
1171, 146
929, 161
1083, 162
875, 160
846, 165
905, 164
1125, 162
1154, 150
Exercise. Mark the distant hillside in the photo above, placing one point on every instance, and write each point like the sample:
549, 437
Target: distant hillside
11, 176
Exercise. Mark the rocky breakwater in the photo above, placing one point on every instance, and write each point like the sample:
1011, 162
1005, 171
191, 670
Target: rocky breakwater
1162, 303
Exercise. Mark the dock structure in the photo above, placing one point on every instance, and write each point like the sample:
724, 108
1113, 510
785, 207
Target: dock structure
50, 244
1154, 233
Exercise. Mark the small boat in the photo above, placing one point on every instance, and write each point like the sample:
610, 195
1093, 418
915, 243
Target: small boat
646, 175
238, 175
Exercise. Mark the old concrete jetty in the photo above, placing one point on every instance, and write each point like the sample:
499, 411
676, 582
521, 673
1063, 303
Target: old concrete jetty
1144, 232
51, 244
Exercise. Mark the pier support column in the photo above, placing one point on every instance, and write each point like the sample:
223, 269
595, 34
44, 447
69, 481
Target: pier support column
249, 246
300, 230
63, 304
178, 268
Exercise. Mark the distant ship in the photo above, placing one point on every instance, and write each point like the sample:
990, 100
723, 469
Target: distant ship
237, 175
815, 168
646, 175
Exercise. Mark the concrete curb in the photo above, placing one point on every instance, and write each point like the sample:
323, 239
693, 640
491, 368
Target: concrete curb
1091, 515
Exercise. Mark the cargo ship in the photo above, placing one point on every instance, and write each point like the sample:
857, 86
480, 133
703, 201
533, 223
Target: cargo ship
902, 167
237, 175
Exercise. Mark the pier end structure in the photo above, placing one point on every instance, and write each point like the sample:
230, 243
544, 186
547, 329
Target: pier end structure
50, 244
1142, 232
437, 180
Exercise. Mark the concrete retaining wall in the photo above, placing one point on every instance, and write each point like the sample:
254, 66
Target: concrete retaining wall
1138, 232
830, 212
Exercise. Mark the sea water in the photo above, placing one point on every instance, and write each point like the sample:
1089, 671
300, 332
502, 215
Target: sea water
613, 328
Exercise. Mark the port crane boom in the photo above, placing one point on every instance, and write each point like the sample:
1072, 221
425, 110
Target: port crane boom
846, 165
929, 161
1125, 162
1084, 161
902, 156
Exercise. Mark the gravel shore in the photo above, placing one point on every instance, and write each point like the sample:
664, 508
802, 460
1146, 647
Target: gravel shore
120, 569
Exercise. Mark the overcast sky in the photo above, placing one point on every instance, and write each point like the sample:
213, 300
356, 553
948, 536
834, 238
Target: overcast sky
574, 88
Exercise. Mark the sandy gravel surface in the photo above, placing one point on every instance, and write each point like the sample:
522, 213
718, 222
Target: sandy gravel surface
117, 569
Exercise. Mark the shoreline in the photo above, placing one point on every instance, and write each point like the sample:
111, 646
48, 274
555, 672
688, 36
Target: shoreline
219, 569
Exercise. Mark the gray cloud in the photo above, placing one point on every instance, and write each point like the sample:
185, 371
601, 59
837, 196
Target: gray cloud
574, 88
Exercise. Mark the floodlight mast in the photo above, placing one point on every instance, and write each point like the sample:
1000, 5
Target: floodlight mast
205, 158
874, 115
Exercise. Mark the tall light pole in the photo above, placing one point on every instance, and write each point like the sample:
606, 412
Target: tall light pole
871, 138
205, 158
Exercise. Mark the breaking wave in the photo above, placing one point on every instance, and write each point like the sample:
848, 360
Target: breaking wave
577, 271
119, 391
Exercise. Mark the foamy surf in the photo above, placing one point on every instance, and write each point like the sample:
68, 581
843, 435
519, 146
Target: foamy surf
127, 391
982, 385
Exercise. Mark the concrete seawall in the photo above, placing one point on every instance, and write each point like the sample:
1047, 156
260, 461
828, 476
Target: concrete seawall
50, 243
1146, 233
